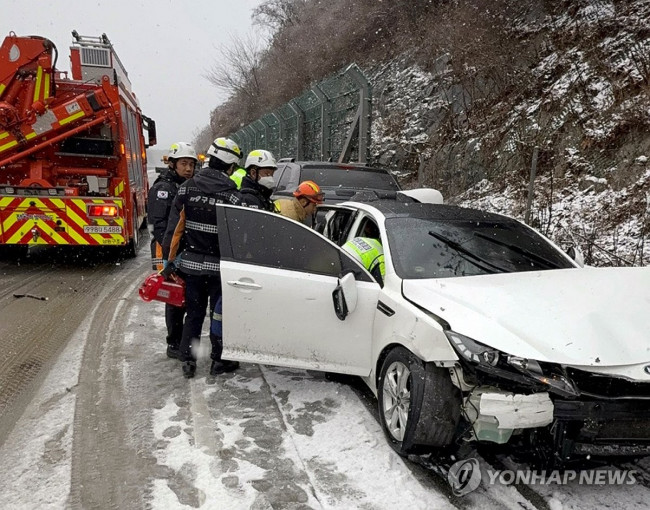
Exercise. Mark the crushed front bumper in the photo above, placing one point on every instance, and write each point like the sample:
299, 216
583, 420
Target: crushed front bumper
601, 427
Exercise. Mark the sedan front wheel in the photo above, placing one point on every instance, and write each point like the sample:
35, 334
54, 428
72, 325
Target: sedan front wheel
419, 407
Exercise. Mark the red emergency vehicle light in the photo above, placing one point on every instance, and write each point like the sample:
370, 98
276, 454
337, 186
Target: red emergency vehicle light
102, 210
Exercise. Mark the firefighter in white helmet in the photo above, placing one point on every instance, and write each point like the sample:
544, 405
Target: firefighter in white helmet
193, 226
257, 186
181, 161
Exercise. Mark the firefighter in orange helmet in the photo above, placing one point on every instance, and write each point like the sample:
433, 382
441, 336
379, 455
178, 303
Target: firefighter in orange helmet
306, 197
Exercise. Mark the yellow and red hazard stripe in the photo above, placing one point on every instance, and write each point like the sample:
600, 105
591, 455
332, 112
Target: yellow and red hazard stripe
59, 221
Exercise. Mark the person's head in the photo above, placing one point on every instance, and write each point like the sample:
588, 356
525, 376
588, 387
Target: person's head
309, 195
260, 166
370, 229
224, 155
182, 159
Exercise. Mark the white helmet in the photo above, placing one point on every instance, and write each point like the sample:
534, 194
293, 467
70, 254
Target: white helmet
226, 150
182, 150
260, 159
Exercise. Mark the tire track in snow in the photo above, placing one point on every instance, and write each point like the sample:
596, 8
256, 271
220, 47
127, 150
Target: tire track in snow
108, 470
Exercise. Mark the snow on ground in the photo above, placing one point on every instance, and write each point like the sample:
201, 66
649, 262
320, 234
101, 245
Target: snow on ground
36, 457
341, 435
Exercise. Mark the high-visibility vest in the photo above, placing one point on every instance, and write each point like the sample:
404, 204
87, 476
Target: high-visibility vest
237, 177
369, 252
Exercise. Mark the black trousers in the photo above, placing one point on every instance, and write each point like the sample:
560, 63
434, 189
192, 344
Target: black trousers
199, 290
174, 321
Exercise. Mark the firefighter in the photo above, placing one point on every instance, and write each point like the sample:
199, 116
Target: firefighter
257, 186
181, 161
303, 204
193, 223
370, 253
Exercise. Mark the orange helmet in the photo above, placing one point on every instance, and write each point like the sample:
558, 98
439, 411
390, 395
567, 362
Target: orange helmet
309, 190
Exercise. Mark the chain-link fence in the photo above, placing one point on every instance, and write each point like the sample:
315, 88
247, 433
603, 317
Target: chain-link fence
328, 122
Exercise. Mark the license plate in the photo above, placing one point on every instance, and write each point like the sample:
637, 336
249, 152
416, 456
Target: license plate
102, 229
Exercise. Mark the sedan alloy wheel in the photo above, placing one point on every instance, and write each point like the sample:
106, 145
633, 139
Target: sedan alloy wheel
396, 399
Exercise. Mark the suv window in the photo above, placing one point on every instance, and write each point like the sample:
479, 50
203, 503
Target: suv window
289, 178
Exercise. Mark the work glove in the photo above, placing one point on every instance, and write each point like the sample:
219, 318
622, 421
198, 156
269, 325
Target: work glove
169, 268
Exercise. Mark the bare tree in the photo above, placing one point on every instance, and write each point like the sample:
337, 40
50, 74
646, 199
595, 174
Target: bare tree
238, 68
202, 138
277, 14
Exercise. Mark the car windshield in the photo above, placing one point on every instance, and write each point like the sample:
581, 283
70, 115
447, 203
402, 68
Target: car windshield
349, 178
429, 248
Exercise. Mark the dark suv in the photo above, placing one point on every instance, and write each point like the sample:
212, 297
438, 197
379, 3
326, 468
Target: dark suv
338, 181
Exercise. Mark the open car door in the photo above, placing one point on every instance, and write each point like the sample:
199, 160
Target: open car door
291, 297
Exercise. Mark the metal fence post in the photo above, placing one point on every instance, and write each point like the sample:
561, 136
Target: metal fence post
280, 131
531, 184
300, 122
325, 123
365, 100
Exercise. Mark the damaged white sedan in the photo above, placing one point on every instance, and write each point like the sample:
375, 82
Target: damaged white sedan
482, 330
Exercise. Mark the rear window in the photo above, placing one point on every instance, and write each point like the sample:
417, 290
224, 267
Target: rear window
349, 178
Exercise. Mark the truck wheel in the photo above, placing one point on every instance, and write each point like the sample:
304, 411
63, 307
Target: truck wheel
419, 407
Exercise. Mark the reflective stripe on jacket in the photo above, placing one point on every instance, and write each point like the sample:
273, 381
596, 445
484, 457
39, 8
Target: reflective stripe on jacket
237, 177
369, 252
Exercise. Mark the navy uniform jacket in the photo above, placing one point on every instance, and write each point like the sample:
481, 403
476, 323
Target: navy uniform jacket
192, 230
255, 195
161, 197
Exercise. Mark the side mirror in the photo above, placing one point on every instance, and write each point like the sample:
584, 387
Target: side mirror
576, 255
345, 296
150, 125
340, 306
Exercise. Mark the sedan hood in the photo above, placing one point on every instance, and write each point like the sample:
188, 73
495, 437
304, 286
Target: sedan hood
581, 317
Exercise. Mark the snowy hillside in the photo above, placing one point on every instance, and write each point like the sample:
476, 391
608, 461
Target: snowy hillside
583, 102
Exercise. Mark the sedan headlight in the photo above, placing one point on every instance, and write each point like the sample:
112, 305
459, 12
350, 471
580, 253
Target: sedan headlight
550, 375
498, 363
472, 350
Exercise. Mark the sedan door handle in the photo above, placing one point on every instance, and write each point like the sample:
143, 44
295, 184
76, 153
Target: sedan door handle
244, 285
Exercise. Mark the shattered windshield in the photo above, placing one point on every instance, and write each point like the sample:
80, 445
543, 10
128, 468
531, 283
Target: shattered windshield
428, 248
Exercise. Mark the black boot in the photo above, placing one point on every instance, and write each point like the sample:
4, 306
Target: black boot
173, 352
219, 367
189, 369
